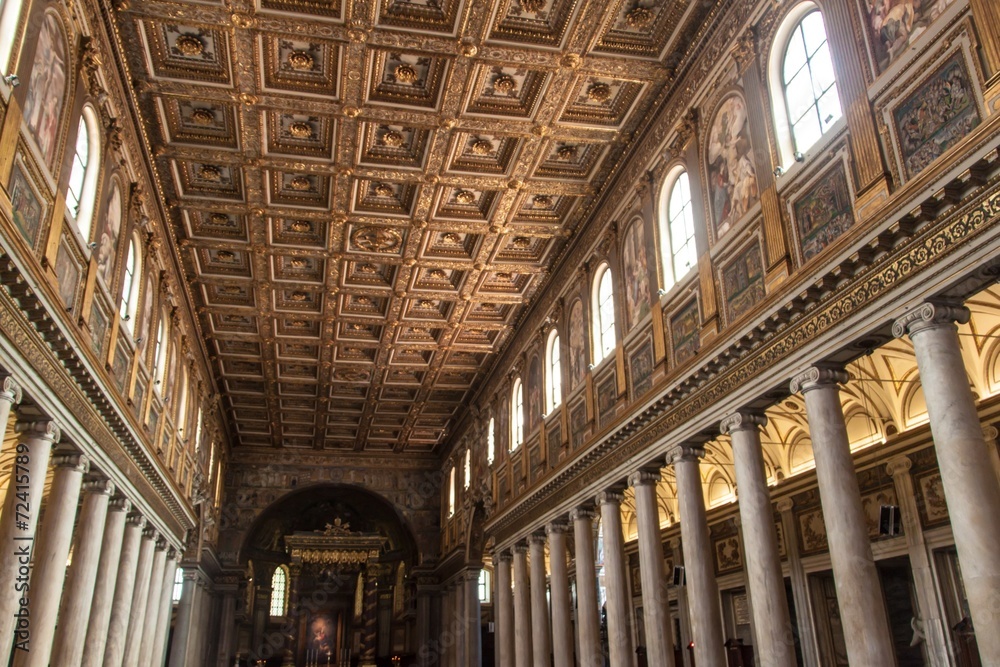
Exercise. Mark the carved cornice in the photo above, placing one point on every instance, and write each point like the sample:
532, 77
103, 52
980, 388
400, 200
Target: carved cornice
930, 315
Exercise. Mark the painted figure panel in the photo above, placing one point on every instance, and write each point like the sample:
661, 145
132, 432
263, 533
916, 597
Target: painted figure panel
577, 424
824, 212
98, 327
46, 88
147, 315
743, 281
894, 24
25, 206
607, 395
936, 116
684, 326
534, 393
636, 274
641, 368
732, 180
67, 274
107, 238
577, 353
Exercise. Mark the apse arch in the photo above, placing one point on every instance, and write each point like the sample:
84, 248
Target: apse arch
310, 508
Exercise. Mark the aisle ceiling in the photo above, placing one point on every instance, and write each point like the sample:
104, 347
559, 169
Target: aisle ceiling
367, 196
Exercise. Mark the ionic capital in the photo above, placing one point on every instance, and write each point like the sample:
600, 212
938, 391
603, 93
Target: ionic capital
150, 533
931, 314
172, 554
559, 527
42, 430
10, 390
99, 486
898, 465
137, 520
536, 539
581, 513
679, 453
818, 376
472, 575
519, 548
611, 497
161, 543
644, 478
503, 556
71, 460
742, 420
120, 504
785, 505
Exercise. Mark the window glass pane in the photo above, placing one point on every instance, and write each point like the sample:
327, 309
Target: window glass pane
555, 373
807, 132
813, 32
490, 442
798, 92
795, 57
811, 91
606, 310
829, 108
178, 585
821, 67
75, 190
278, 584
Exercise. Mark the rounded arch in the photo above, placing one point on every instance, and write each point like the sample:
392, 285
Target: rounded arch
310, 508
81, 191
676, 226
603, 312
516, 414
553, 371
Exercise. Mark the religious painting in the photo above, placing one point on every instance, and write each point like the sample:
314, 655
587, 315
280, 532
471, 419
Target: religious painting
47, 88
894, 24
25, 205
553, 441
684, 332
139, 397
607, 396
534, 395
577, 337
732, 180
936, 116
146, 315
120, 365
154, 417
727, 555
503, 426
577, 424
640, 363
812, 531
743, 281
107, 237
535, 467
930, 500
68, 272
321, 637
824, 212
636, 275
98, 327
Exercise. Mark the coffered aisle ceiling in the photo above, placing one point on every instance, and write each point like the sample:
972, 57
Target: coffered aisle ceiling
367, 196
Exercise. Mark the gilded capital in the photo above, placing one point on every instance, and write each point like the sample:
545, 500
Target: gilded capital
818, 376
930, 314
644, 477
10, 390
742, 420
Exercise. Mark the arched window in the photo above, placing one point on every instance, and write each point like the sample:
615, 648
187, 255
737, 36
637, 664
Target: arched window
197, 433
806, 103
451, 492
553, 373
279, 591
82, 191
517, 415
484, 586
182, 403
160, 351
604, 314
491, 442
677, 228
178, 584
10, 16
130, 286
467, 473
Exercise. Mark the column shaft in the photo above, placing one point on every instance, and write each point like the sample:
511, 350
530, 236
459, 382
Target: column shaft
152, 605
620, 646
800, 587
683, 609
970, 486
185, 612
655, 600
859, 592
19, 520
588, 622
772, 624
473, 614
703, 591
121, 606
562, 627
104, 587
140, 596
541, 647
522, 609
461, 621
159, 652
505, 611
82, 577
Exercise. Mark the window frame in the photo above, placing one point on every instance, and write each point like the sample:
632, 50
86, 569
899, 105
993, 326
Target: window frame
600, 350
452, 492
129, 302
668, 248
86, 204
516, 415
467, 468
553, 372
283, 569
491, 441
10, 19
160, 351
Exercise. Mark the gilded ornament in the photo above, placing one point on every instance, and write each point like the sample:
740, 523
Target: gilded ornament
301, 130
451, 238
225, 256
302, 226
468, 50
639, 18
599, 92
377, 239
299, 296
521, 242
566, 152
533, 6
405, 73
219, 219
465, 197
210, 172
368, 268
515, 184
203, 117
482, 147
572, 60
438, 274
364, 300
352, 112
393, 139
298, 263
300, 183
300, 61
542, 201
189, 46
383, 190
504, 84
357, 35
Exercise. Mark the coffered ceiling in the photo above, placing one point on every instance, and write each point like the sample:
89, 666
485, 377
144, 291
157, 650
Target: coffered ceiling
366, 196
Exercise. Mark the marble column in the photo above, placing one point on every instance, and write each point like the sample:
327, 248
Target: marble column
859, 592
505, 610
140, 596
104, 587
772, 623
78, 595
449, 636
10, 395
51, 552
620, 646
121, 606
185, 614
461, 621
561, 603
970, 486
655, 600
19, 520
473, 619
522, 608
800, 586
683, 611
541, 646
588, 620
148, 628
699, 562
159, 652
928, 602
